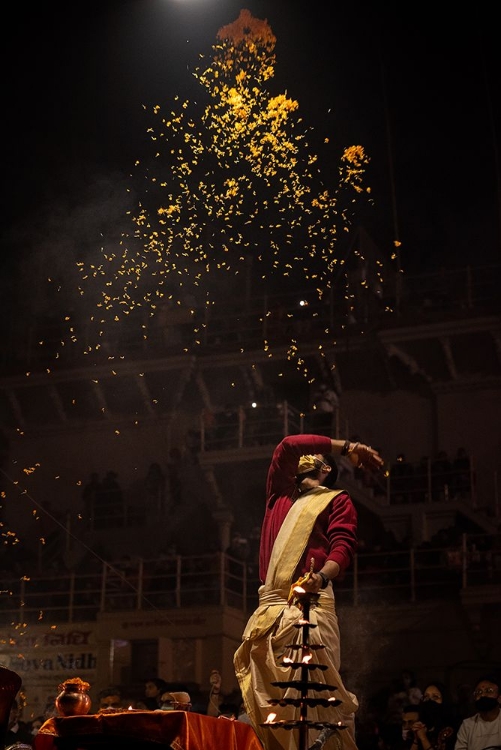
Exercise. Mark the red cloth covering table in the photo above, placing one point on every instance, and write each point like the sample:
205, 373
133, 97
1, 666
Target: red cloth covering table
169, 730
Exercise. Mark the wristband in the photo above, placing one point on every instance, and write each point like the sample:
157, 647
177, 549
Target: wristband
325, 580
345, 448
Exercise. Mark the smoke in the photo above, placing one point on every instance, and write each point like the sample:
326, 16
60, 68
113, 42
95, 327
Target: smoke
42, 248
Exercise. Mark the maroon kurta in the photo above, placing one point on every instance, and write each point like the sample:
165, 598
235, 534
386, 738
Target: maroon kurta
334, 534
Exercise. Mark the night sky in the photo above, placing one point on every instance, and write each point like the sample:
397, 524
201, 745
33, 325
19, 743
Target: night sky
398, 80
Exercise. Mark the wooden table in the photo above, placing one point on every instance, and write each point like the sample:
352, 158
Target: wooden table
146, 730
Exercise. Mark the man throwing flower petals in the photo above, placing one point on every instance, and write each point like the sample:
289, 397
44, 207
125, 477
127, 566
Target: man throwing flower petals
309, 532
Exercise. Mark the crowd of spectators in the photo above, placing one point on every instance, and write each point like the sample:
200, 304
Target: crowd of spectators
437, 479
406, 714
413, 715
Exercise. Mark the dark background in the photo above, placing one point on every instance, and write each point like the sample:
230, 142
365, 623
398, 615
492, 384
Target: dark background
417, 86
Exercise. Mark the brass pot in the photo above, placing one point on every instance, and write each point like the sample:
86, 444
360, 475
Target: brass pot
73, 701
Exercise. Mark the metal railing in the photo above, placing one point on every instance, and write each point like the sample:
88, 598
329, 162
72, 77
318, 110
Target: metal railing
265, 425
247, 323
424, 483
376, 577
432, 481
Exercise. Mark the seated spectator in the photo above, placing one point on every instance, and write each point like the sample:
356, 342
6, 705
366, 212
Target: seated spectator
483, 730
437, 692
435, 728
399, 736
110, 697
154, 688
175, 701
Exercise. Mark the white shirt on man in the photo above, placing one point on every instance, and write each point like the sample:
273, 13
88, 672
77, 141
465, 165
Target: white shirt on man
475, 733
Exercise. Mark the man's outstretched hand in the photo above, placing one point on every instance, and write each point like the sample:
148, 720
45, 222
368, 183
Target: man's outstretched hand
364, 457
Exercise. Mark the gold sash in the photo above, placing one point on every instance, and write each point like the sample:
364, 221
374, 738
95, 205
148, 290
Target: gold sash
288, 549
271, 629
291, 541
